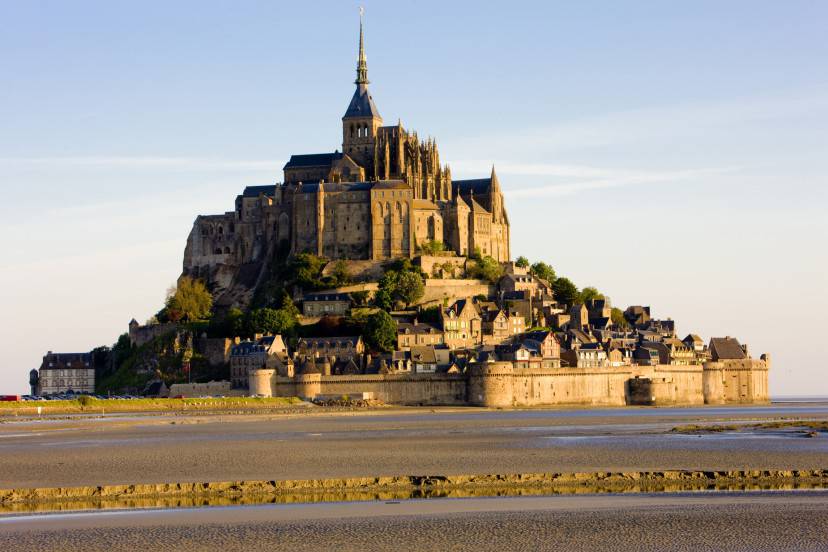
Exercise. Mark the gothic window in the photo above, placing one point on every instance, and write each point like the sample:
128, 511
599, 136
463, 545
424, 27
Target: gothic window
352, 130
221, 230
399, 212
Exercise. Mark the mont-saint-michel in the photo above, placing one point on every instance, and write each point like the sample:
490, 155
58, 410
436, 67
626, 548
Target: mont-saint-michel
408, 295
358, 339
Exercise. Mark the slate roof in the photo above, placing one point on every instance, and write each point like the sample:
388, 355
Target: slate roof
477, 186
246, 348
316, 342
64, 360
418, 328
312, 160
362, 104
726, 348
254, 191
345, 297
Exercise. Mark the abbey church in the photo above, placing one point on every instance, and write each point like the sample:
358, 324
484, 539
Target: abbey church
383, 196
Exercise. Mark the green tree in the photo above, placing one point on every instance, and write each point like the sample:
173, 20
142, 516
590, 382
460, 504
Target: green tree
522, 262
383, 300
230, 324
360, 298
431, 247
261, 321
589, 293
565, 291
618, 319
341, 275
305, 270
381, 331
190, 300
409, 288
543, 271
487, 269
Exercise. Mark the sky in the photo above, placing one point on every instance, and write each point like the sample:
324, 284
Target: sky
671, 154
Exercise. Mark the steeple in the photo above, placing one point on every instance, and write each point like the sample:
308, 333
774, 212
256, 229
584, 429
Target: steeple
361, 119
362, 63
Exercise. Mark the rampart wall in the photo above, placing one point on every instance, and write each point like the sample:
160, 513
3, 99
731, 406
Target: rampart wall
500, 385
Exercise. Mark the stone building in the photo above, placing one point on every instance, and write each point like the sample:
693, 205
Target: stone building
268, 352
321, 304
64, 372
380, 197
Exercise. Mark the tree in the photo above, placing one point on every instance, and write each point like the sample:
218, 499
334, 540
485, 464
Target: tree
618, 319
522, 262
231, 324
565, 291
487, 269
409, 288
261, 321
589, 293
360, 298
383, 299
305, 270
189, 301
543, 271
381, 331
340, 274
431, 247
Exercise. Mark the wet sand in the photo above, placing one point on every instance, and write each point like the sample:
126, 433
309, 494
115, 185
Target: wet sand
721, 521
158, 449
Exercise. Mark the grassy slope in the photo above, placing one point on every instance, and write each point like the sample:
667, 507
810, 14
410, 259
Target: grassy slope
145, 405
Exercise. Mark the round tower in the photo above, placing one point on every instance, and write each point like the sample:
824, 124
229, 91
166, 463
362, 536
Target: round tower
491, 385
308, 385
713, 383
260, 382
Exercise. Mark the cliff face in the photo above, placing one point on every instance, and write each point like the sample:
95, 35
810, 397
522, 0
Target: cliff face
229, 255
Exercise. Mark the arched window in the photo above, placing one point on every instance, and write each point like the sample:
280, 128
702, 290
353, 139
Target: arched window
221, 230
379, 209
352, 130
227, 250
232, 227
399, 213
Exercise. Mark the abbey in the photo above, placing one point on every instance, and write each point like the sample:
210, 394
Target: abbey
384, 195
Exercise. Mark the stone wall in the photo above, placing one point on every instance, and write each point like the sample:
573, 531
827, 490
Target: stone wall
139, 335
501, 385
209, 389
439, 291
215, 349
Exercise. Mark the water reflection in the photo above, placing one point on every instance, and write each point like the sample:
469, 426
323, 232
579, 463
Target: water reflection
309, 497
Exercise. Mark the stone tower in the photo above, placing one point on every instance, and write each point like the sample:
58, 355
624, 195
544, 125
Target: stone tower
362, 119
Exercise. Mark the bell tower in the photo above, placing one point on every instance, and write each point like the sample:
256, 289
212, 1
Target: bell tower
362, 119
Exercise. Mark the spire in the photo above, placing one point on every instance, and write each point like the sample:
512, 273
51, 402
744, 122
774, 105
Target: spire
495, 183
362, 64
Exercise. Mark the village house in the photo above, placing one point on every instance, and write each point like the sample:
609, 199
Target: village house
499, 326
587, 355
66, 372
727, 348
680, 353
321, 304
545, 341
414, 334
340, 348
264, 352
461, 325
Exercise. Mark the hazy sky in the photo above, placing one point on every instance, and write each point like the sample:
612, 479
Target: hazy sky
672, 154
